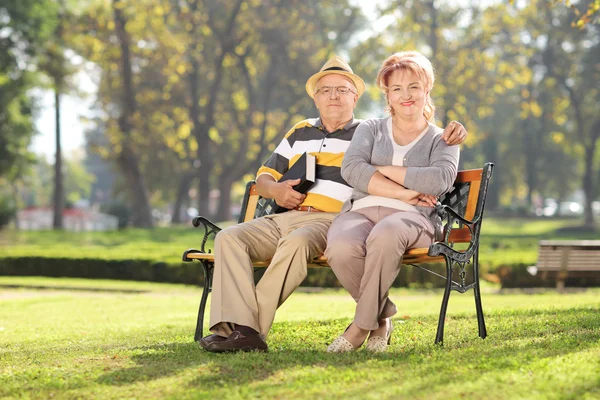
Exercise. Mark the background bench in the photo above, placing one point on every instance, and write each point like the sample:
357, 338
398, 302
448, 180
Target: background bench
461, 210
562, 259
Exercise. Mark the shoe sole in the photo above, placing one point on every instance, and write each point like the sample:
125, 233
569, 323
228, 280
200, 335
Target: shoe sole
243, 349
204, 344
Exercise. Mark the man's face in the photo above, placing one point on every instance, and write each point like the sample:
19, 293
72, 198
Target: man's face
332, 104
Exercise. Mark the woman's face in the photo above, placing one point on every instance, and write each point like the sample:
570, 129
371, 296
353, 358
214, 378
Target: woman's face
406, 93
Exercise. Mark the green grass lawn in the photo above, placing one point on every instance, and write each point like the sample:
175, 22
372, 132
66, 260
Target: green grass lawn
503, 242
133, 340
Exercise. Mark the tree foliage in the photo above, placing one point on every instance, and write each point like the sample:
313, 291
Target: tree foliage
24, 27
193, 95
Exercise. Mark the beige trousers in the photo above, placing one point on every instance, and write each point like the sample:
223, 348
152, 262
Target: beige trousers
365, 249
290, 239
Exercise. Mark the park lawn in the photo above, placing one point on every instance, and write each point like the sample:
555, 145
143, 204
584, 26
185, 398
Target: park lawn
159, 244
102, 344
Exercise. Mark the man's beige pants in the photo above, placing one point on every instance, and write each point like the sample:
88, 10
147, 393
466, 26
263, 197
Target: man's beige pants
365, 249
290, 239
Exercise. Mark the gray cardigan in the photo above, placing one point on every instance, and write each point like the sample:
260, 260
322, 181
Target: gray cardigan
432, 164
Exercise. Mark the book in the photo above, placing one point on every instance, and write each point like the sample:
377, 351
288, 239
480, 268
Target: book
304, 169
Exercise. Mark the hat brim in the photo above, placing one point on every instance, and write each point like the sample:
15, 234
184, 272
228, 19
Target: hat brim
312, 81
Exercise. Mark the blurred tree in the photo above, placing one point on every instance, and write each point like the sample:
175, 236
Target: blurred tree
24, 27
126, 156
101, 169
54, 64
571, 62
36, 189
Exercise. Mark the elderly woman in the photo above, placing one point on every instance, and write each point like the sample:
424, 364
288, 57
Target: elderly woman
398, 167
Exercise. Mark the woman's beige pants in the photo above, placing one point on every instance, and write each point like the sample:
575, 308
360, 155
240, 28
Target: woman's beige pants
365, 249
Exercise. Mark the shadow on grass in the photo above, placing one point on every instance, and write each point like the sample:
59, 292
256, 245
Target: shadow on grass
515, 339
73, 289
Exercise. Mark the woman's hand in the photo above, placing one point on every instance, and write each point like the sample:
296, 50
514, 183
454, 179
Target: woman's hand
418, 199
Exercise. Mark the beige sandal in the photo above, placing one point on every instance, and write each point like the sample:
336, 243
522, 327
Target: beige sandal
340, 345
378, 344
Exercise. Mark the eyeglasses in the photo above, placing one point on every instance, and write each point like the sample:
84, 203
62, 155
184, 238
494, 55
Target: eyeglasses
327, 90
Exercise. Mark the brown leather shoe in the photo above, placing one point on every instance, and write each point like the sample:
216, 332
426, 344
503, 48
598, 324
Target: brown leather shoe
238, 342
207, 340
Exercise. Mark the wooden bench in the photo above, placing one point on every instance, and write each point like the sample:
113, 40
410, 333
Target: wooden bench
461, 210
562, 259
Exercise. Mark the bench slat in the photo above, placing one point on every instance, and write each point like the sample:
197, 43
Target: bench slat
413, 256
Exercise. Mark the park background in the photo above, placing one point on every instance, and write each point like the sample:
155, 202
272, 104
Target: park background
155, 111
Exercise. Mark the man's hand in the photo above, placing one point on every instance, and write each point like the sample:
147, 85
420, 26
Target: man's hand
287, 197
454, 133
418, 199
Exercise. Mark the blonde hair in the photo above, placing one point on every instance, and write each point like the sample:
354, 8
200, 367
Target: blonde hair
418, 64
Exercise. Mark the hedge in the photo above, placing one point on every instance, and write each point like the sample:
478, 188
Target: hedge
94, 268
509, 276
187, 273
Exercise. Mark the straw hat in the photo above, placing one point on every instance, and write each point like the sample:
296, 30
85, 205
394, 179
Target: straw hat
335, 65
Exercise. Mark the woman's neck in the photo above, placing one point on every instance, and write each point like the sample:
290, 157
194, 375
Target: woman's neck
406, 130
408, 127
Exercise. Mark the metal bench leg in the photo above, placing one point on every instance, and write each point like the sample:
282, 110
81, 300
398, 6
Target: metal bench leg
439, 337
208, 275
480, 319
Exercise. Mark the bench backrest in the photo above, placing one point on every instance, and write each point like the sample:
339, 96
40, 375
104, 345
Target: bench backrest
571, 255
467, 197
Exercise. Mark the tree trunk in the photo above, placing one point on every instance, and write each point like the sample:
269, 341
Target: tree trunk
224, 209
141, 214
184, 186
59, 192
204, 191
15, 199
588, 184
530, 144
491, 155
206, 146
126, 159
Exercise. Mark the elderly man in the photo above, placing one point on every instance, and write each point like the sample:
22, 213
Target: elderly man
241, 314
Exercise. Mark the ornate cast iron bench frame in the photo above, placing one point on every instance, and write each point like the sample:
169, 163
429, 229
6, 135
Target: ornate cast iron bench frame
461, 209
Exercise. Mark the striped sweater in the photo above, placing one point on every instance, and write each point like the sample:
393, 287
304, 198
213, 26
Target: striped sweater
330, 190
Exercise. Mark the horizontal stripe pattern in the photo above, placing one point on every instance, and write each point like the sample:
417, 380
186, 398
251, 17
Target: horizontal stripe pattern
323, 203
334, 190
330, 190
268, 171
333, 159
330, 173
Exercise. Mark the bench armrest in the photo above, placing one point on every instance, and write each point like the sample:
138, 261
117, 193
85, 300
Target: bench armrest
443, 210
444, 247
209, 229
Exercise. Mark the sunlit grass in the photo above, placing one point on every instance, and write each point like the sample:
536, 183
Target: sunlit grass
81, 344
